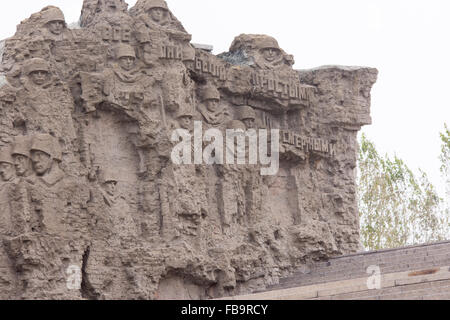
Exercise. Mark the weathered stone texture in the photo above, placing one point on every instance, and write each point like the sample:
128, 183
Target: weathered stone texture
86, 118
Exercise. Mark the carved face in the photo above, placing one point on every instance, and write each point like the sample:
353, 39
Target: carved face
249, 123
7, 171
185, 122
56, 27
159, 15
212, 105
271, 54
42, 162
127, 63
110, 187
39, 77
22, 164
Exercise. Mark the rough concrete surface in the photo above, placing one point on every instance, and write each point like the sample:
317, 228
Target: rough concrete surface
92, 207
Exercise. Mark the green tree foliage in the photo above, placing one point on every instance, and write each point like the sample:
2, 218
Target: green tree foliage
397, 208
445, 168
445, 159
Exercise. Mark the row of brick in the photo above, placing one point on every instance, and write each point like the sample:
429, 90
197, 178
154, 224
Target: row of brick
354, 266
393, 254
361, 271
412, 284
421, 291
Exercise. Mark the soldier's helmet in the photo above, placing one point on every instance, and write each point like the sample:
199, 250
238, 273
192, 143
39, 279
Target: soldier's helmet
248, 42
236, 125
151, 4
5, 155
52, 14
36, 64
247, 112
46, 143
211, 93
21, 146
109, 175
124, 50
185, 112
267, 42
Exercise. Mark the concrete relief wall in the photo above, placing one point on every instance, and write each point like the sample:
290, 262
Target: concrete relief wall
93, 205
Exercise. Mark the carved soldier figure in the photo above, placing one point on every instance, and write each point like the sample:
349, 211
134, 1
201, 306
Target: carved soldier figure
48, 24
55, 24
38, 71
46, 157
192, 201
21, 156
184, 117
155, 18
121, 81
119, 209
252, 182
248, 116
6, 221
49, 106
8, 176
232, 196
24, 170
263, 50
126, 57
156, 15
241, 184
270, 51
271, 55
47, 189
125, 85
7, 172
213, 113
109, 187
158, 11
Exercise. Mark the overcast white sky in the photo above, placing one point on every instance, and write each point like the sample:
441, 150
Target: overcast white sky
406, 40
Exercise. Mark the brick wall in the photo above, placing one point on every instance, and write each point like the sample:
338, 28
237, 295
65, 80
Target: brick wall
416, 272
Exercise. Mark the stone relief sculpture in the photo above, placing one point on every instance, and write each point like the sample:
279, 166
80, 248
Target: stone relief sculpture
87, 178
185, 118
45, 157
120, 211
22, 157
264, 52
56, 26
214, 114
248, 116
7, 175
